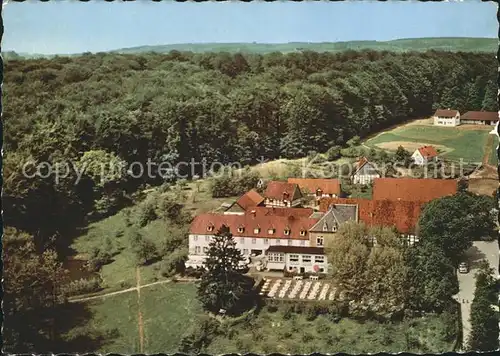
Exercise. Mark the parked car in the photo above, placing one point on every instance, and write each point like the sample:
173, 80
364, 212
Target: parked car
463, 268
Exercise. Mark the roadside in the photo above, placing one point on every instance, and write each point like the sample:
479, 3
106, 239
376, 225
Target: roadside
480, 250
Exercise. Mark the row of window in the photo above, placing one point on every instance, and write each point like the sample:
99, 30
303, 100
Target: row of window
266, 241
294, 259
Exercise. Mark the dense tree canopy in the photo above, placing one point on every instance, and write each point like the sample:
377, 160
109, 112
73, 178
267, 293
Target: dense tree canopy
453, 223
215, 106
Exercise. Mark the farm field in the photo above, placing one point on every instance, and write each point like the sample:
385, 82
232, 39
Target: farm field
462, 142
169, 310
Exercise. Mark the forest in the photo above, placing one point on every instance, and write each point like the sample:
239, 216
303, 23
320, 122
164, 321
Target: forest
218, 107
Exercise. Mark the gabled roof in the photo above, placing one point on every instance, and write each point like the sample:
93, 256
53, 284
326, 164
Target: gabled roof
251, 221
327, 186
403, 215
412, 189
480, 115
428, 151
337, 214
362, 162
295, 212
276, 189
446, 113
250, 199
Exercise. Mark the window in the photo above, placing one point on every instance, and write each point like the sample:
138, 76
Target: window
278, 241
319, 259
290, 242
241, 229
245, 251
195, 237
325, 227
256, 230
210, 228
334, 228
276, 257
270, 231
320, 241
306, 258
207, 238
242, 240
197, 250
287, 232
302, 232
302, 243
205, 249
294, 259
266, 241
254, 241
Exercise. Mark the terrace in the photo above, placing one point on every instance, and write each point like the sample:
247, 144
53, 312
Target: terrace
297, 289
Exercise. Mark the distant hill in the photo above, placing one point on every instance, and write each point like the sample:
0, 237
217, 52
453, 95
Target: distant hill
401, 45
453, 44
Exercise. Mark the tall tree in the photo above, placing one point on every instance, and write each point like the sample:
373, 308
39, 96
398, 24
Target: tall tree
453, 223
223, 285
484, 320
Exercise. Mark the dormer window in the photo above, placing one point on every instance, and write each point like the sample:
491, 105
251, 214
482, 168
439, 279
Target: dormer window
270, 231
319, 192
256, 230
210, 228
287, 232
302, 232
241, 229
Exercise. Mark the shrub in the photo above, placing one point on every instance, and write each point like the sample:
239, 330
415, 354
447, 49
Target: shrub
174, 263
333, 153
83, 286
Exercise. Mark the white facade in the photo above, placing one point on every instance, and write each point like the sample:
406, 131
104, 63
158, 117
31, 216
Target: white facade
364, 178
248, 245
447, 121
419, 159
273, 203
297, 262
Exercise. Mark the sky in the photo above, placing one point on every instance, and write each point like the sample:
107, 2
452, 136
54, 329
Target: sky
61, 27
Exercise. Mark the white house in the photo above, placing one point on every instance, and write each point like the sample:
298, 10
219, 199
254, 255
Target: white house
297, 259
364, 172
446, 117
424, 155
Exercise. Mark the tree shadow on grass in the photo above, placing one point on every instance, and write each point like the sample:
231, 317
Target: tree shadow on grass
62, 329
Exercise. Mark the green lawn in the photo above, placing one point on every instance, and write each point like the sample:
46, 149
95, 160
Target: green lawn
457, 142
493, 159
112, 326
168, 311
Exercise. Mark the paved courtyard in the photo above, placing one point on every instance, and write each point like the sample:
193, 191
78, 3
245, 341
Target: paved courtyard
467, 282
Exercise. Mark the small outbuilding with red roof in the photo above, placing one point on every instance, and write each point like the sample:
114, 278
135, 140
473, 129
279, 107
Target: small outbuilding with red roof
424, 155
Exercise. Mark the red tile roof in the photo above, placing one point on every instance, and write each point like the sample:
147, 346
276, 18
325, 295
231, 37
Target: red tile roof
250, 199
327, 186
412, 189
360, 163
403, 215
445, 113
276, 190
428, 151
480, 115
250, 222
295, 212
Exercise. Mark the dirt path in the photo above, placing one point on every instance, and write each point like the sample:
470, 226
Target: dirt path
140, 321
118, 292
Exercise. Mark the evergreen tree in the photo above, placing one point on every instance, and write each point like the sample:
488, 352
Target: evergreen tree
490, 97
223, 285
